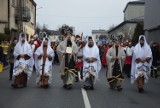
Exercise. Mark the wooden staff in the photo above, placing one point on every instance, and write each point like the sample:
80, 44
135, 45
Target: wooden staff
43, 65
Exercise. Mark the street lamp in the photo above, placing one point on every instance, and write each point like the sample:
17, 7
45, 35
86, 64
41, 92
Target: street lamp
36, 13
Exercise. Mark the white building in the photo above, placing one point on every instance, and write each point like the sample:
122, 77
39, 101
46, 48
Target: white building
97, 33
152, 20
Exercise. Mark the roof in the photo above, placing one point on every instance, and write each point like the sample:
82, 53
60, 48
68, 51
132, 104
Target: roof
152, 28
33, 2
123, 23
142, 2
99, 31
53, 32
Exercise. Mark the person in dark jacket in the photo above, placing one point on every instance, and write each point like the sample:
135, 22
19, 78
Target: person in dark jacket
156, 59
11, 57
1, 55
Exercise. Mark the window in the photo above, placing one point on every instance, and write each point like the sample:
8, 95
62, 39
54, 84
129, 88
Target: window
13, 2
25, 2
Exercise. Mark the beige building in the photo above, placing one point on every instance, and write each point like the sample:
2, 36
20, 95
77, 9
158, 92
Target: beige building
4, 16
134, 10
9, 16
29, 27
126, 28
133, 14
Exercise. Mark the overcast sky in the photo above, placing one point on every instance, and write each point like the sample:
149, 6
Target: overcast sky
84, 15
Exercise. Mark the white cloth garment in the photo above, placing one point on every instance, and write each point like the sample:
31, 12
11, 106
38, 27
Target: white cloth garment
91, 52
48, 64
33, 48
22, 64
129, 51
138, 68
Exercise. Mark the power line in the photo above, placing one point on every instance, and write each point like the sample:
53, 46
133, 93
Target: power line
85, 17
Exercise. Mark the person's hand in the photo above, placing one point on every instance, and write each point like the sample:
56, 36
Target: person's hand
22, 55
26, 57
143, 60
93, 59
49, 57
138, 60
73, 53
18, 57
88, 60
40, 56
148, 59
64, 53
115, 58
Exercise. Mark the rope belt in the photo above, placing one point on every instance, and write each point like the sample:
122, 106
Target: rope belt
73, 71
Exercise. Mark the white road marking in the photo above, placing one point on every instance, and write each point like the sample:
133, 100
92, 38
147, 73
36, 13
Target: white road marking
85, 98
79, 76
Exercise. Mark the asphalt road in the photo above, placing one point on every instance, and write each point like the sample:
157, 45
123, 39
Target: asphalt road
56, 97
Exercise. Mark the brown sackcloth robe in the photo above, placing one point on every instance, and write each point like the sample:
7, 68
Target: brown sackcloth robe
21, 79
44, 79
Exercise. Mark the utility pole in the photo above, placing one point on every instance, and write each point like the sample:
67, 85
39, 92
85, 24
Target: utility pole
20, 10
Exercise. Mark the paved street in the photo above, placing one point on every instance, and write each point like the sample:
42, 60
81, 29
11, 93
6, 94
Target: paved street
56, 97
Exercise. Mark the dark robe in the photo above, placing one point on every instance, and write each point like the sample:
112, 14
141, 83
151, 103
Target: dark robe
44, 79
70, 71
116, 72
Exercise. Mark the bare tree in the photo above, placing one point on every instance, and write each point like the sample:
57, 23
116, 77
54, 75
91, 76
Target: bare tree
45, 27
111, 27
38, 28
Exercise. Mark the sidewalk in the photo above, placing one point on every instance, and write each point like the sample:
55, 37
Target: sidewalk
6, 67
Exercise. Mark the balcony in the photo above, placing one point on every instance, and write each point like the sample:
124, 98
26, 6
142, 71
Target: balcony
26, 16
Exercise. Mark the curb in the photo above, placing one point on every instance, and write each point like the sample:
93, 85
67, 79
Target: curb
6, 67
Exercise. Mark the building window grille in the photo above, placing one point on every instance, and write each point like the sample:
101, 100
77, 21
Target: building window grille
14, 3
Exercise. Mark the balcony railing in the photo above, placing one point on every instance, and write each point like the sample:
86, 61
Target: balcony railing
22, 14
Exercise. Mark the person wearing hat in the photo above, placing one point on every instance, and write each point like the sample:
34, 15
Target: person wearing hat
156, 59
32, 45
115, 59
141, 63
11, 57
67, 51
36, 42
79, 57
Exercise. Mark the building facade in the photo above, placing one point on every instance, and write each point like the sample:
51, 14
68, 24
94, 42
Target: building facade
126, 29
10, 16
133, 14
29, 26
152, 20
4, 16
134, 10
